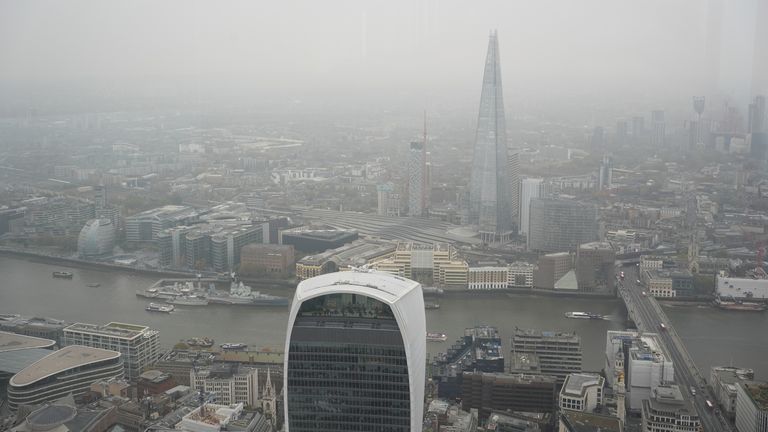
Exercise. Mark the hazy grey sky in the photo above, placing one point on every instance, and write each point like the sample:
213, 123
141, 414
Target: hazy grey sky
423, 48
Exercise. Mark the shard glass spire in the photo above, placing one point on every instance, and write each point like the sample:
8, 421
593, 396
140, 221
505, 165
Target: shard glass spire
490, 197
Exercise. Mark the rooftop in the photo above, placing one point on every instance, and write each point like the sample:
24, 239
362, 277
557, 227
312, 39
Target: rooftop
758, 391
167, 212
14, 342
382, 286
588, 422
544, 334
114, 329
669, 398
69, 357
576, 383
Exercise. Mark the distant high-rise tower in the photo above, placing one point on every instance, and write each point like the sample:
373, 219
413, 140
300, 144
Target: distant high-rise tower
388, 200
756, 121
530, 188
490, 200
621, 132
605, 174
658, 131
696, 132
638, 129
598, 138
416, 178
514, 180
100, 196
355, 352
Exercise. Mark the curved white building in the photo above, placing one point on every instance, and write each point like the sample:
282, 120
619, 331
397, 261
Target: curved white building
97, 238
70, 370
356, 353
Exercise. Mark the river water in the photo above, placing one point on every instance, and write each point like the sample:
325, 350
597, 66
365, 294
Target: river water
27, 288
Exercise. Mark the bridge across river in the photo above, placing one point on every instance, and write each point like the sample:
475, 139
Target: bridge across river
648, 316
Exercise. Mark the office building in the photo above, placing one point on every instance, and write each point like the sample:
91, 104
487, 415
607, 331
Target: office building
417, 176
622, 132
340, 324
479, 349
487, 278
558, 225
530, 189
577, 421
355, 254
154, 382
145, 226
96, 239
658, 128
597, 139
179, 363
68, 371
232, 382
551, 268
389, 200
210, 417
267, 259
724, 381
41, 327
639, 362
226, 246
559, 353
605, 174
139, 345
638, 130
756, 116
758, 146
490, 200
19, 351
513, 158
428, 263
751, 406
11, 220
207, 246
520, 275
487, 392
667, 410
595, 267
582, 392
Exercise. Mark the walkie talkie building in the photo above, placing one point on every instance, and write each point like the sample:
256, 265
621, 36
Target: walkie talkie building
355, 354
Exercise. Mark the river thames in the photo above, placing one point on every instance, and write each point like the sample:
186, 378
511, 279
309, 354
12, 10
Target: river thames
713, 337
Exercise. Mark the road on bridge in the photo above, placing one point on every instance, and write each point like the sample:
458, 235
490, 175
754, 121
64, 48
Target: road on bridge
648, 316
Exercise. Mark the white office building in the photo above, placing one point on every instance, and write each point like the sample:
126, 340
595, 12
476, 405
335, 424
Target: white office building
530, 188
751, 406
355, 354
582, 392
231, 382
139, 345
647, 366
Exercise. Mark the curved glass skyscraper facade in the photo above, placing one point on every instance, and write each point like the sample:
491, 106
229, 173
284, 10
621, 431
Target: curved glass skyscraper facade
490, 194
356, 351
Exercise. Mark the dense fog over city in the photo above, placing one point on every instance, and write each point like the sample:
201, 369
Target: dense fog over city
398, 53
383, 216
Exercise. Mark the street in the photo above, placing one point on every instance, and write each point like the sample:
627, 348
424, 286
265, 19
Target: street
648, 316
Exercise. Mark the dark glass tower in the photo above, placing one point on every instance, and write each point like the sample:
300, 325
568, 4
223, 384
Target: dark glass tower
490, 197
356, 349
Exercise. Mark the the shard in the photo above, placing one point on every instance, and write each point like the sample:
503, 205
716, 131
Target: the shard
490, 195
